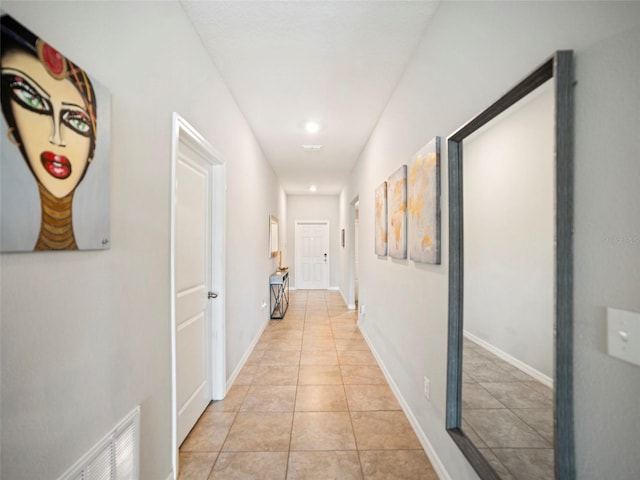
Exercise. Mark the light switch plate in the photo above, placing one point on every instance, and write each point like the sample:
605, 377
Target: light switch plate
623, 335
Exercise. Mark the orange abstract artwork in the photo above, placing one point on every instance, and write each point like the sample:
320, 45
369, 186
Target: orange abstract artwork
397, 187
424, 204
381, 219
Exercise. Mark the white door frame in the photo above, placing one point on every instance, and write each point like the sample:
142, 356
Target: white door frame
297, 248
351, 252
184, 133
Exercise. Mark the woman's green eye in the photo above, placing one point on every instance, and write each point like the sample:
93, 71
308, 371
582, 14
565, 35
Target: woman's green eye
31, 100
77, 121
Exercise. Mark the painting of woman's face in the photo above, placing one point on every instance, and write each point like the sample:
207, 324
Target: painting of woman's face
52, 121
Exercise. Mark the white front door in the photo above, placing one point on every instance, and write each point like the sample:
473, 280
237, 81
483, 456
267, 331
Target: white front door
312, 255
193, 274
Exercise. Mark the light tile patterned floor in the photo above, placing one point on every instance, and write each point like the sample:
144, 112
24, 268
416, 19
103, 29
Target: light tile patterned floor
508, 415
310, 403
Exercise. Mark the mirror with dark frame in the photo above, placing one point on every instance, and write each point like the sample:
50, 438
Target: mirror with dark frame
509, 372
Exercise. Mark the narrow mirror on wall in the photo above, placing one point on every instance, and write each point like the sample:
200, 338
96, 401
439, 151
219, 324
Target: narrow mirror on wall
510, 345
509, 300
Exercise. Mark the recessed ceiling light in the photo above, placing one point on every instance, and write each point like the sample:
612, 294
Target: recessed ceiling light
312, 127
311, 148
312, 188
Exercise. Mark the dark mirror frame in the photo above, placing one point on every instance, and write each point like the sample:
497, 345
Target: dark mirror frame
559, 68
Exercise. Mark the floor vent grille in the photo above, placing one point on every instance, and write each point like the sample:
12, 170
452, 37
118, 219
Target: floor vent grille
115, 457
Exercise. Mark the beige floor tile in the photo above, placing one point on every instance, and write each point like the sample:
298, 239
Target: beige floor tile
290, 415
316, 302
321, 398
318, 329
318, 343
276, 375
282, 334
209, 433
343, 465
319, 357
196, 466
346, 332
273, 342
357, 357
283, 329
269, 398
280, 345
319, 375
383, 431
343, 319
319, 320
231, 402
245, 377
370, 397
345, 344
250, 465
277, 357
255, 357
259, 432
291, 322
362, 375
396, 465
317, 317
322, 431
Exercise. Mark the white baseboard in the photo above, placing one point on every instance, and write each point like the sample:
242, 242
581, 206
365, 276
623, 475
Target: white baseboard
333, 288
245, 357
520, 365
344, 299
437, 464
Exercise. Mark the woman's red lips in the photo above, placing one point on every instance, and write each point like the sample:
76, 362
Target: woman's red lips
58, 166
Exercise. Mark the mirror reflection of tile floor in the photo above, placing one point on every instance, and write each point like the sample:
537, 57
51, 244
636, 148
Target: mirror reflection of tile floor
508, 415
310, 403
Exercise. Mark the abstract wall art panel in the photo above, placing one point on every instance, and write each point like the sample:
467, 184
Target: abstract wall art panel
54, 158
380, 199
424, 204
397, 216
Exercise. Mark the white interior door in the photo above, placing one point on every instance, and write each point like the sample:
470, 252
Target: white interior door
193, 274
198, 218
312, 255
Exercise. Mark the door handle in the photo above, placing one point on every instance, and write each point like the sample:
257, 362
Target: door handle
212, 295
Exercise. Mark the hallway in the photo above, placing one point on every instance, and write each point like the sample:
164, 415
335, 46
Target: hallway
310, 403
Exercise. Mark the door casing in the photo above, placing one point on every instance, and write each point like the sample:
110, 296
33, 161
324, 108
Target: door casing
184, 133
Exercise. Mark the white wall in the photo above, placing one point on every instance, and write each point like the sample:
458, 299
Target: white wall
314, 207
85, 335
472, 53
509, 231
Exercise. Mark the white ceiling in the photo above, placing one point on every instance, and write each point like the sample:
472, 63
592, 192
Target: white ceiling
336, 62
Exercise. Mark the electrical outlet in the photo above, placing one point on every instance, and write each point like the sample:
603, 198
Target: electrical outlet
264, 305
362, 309
427, 388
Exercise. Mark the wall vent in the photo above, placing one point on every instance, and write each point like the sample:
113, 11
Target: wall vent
115, 457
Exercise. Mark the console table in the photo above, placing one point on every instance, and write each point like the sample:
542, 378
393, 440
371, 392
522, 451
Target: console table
279, 294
